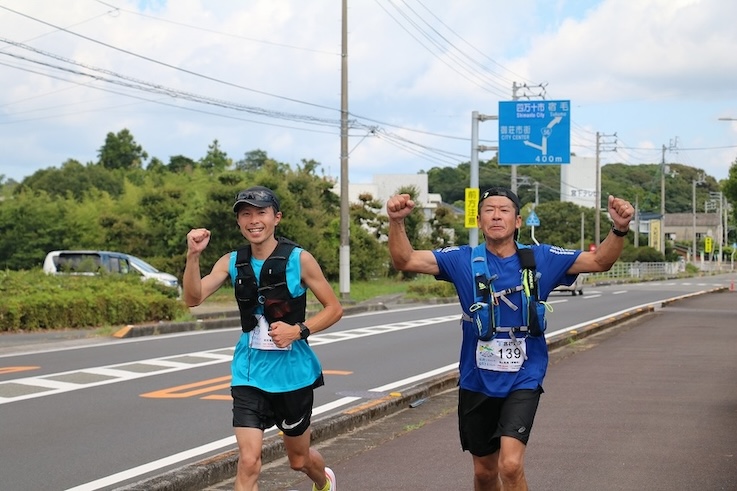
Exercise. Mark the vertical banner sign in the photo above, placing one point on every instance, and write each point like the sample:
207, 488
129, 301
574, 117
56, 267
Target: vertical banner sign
708, 244
654, 237
534, 132
472, 207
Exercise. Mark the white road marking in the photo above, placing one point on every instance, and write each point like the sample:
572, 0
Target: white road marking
230, 441
21, 389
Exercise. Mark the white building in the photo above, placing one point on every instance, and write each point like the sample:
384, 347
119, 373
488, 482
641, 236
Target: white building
578, 181
384, 186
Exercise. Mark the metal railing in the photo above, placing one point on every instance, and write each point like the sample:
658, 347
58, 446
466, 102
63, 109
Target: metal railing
645, 271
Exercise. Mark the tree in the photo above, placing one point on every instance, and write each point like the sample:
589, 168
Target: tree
447, 228
560, 224
73, 179
252, 161
31, 225
366, 214
216, 161
180, 163
729, 188
121, 151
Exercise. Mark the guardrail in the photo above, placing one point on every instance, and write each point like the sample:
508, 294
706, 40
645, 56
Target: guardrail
649, 271
626, 271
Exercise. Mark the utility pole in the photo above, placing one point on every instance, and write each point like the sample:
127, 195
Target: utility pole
515, 97
719, 208
605, 146
637, 221
694, 183
473, 234
345, 237
663, 170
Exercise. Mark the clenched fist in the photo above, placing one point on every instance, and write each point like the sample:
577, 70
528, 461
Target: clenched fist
197, 240
621, 211
399, 206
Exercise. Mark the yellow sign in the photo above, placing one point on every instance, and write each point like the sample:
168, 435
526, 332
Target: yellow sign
654, 238
708, 244
472, 207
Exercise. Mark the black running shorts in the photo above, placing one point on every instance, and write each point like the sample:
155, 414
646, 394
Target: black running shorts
483, 420
289, 411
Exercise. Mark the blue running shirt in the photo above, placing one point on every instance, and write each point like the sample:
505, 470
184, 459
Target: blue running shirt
455, 266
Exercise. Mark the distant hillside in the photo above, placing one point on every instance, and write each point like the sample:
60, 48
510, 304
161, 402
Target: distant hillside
637, 183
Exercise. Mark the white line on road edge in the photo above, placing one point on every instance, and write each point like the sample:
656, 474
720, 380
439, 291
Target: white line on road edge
230, 441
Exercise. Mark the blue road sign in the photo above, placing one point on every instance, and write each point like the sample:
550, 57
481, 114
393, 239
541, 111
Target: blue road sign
534, 132
532, 220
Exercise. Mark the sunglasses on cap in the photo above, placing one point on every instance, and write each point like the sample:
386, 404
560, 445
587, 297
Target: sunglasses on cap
263, 196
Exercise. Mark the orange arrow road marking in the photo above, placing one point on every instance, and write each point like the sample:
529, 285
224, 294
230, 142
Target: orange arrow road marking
4, 370
183, 391
211, 385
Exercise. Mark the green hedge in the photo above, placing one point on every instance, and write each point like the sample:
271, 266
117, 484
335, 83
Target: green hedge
440, 289
32, 300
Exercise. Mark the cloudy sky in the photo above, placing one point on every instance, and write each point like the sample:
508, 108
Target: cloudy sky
266, 74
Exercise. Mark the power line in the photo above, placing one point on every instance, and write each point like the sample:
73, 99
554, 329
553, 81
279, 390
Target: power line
167, 65
212, 31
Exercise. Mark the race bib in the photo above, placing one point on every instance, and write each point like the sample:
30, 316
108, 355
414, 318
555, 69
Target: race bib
501, 355
260, 338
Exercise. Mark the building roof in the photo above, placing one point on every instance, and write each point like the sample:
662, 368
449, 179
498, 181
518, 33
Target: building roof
686, 220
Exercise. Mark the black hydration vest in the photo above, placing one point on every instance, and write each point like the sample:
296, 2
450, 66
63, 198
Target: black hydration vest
485, 311
273, 292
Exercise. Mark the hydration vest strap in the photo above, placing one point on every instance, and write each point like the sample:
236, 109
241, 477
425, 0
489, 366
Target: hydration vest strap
257, 293
485, 312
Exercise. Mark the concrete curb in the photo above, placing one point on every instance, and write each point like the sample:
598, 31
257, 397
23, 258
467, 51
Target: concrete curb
208, 472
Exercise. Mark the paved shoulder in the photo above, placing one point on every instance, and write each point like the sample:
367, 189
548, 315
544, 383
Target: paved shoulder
647, 405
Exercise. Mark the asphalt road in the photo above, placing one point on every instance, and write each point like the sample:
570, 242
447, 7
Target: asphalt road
648, 405
116, 409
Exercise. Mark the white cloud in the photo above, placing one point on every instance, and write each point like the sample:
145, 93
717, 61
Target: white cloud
650, 70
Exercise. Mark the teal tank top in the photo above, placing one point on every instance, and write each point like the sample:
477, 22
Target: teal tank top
274, 371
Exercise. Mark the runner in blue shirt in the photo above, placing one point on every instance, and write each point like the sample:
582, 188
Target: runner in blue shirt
503, 351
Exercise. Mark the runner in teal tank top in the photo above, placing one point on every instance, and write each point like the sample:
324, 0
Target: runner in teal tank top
274, 370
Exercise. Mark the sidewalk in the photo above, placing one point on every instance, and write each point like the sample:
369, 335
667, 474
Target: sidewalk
649, 404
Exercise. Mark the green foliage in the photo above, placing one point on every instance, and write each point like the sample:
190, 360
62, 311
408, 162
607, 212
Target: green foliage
31, 224
73, 179
215, 161
639, 183
121, 151
560, 224
644, 254
32, 300
692, 269
436, 289
117, 204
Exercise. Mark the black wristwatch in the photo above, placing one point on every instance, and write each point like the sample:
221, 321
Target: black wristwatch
304, 331
619, 233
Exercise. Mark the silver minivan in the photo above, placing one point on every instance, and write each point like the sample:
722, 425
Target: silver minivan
92, 262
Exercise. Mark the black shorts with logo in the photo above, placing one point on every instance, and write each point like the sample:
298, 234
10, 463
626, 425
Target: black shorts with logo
483, 420
289, 411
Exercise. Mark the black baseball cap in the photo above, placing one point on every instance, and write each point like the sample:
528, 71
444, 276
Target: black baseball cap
501, 191
258, 196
